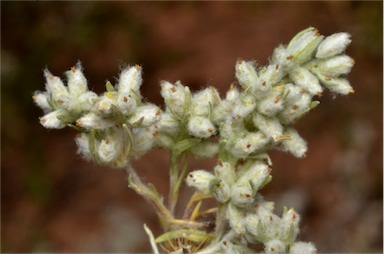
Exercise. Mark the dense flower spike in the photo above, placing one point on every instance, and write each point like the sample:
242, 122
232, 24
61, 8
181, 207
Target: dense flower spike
255, 116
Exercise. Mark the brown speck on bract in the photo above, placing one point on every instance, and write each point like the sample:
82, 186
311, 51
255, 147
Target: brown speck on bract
79, 123
210, 130
155, 133
290, 57
319, 95
158, 112
248, 145
73, 69
295, 107
107, 141
232, 86
220, 163
125, 99
277, 99
173, 89
327, 78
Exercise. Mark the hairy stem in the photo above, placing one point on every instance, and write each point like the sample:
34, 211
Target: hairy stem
150, 195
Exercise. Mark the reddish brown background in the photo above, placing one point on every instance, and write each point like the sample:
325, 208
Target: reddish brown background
53, 201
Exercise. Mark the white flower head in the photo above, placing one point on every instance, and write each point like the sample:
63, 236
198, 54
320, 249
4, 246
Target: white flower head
236, 219
242, 194
306, 80
110, 147
41, 100
147, 115
176, 97
55, 87
251, 142
246, 74
130, 80
274, 247
82, 142
302, 248
200, 179
201, 127
52, 121
204, 101
336, 66
269, 126
290, 226
304, 44
221, 190
333, 45
77, 83
296, 145
272, 103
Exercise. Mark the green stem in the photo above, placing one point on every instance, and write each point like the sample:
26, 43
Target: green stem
150, 195
173, 179
175, 189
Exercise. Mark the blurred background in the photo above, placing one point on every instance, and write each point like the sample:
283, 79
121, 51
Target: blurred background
53, 201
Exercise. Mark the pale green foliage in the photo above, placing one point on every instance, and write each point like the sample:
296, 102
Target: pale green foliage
240, 129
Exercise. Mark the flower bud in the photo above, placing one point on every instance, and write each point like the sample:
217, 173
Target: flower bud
77, 83
336, 85
272, 103
204, 101
271, 74
256, 173
51, 120
130, 80
110, 147
333, 45
306, 80
176, 97
104, 106
304, 44
224, 171
292, 94
296, 145
93, 121
200, 179
246, 74
274, 247
236, 219
82, 142
220, 190
251, 142
290, 226
55, 87
87, 101
41, 100
252, 224
168, 124
243, 106
269, 126
200, 127
126, 103
242, 194
146, 115
143, 140
281, 57
302, 248
293, 112
224, 108
336, 66
269, 227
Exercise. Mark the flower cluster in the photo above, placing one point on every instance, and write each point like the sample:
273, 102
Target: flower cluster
109, 124
255, 116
